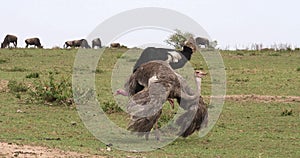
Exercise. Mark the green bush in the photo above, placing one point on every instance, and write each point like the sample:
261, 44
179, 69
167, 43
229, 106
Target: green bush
16, 87
2, 61
287, 112
275, 54
240, 53
110, 107
53, 91
33, 75
98, 71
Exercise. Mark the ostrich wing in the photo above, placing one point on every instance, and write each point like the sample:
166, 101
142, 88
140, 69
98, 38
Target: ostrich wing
194, 117
195, 114
145, 108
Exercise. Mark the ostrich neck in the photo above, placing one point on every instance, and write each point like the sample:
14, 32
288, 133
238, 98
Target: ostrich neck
198, 82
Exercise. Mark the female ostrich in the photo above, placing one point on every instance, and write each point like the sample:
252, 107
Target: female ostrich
161, 82
198, 76
176, 59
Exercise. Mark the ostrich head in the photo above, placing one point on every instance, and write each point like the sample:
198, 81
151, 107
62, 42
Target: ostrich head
191, 43
200, 74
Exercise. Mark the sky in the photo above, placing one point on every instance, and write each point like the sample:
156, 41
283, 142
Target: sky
230, 22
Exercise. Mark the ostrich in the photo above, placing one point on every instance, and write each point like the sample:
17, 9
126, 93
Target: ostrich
176, 59
198, 76
161, 82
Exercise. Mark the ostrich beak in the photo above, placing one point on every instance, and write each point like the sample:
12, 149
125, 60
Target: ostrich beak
199, 73
117, 92
121, 92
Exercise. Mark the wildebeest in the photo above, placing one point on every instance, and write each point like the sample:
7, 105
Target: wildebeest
33, 41
115, 45
202, 41
96, 42
77, 43
9, 39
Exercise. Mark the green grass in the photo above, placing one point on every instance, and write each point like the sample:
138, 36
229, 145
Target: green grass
262, 74
244, 129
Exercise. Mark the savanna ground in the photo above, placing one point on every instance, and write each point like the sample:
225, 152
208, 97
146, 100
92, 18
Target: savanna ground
260, 117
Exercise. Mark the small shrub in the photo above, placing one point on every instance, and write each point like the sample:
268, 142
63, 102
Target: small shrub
16, 87
275, 54
298, 69
110, 107
99, 71
240, 53
2, 61
33, 75
287, 112
53, 91
242, 80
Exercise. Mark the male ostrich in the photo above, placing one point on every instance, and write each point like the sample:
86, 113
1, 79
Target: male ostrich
176, 59
161, 82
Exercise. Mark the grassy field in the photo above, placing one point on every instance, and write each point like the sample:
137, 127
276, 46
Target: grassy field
244, 129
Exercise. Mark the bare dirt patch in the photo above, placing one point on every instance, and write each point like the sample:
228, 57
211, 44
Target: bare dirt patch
4, 85
263, 98
13, 150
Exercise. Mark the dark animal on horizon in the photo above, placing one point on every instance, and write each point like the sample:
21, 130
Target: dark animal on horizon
161, 82
9, 39
84, 44
96, 43
176, 59
33, 41
202, 41
69, 44
115, 45
77, 43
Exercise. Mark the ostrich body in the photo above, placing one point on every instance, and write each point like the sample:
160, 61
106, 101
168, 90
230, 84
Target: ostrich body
158, 82
176, 59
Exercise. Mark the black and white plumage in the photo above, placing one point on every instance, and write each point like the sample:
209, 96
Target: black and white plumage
176, 59
160, 82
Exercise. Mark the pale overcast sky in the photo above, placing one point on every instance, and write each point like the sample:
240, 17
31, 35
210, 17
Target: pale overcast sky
230, 22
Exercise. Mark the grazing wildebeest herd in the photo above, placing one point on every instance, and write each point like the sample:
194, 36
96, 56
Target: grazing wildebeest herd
35, 41
83, 43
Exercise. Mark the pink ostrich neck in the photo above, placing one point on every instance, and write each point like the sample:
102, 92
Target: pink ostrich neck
199, 74
121, 92
198, 82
